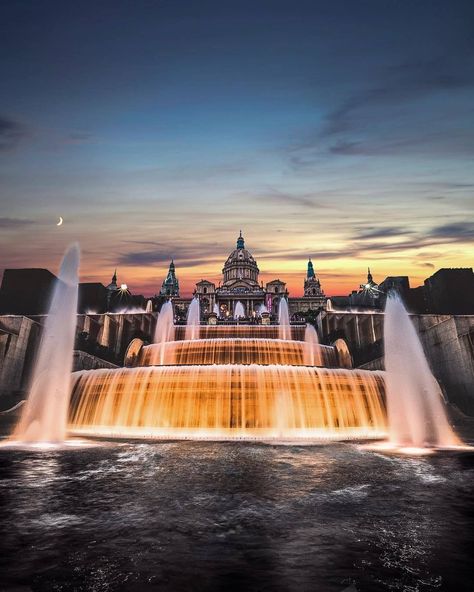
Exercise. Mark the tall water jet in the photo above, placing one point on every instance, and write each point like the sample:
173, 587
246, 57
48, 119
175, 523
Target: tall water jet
149, 306
239, 311
416, 413
262, 308
193, 320
44, 415
216, 310
164, 330
312, 356
284, 320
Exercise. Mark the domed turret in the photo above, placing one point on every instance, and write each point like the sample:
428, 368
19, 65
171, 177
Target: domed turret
240, 269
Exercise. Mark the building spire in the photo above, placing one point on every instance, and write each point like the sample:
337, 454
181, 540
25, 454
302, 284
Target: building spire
310, 272
114, 277
370, 279
240, 241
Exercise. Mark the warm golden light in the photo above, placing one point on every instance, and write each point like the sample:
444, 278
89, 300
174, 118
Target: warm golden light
229, 401
232, 381
237, 351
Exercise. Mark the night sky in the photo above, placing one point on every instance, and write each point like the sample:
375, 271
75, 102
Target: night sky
343, 131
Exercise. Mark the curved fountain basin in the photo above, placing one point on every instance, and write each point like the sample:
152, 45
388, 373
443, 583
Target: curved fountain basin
251, 331
229, 401
237, 351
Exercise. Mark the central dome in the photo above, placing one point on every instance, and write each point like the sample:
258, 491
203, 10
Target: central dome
240, 269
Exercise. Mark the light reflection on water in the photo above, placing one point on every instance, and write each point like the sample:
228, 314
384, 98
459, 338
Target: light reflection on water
235, 516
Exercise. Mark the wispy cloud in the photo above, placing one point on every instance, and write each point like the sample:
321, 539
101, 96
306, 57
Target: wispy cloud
11, 133
457, 231
310, 200
188, 255
12, 223
383, 232
401, 83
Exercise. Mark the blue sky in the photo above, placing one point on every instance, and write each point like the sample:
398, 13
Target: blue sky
340, 130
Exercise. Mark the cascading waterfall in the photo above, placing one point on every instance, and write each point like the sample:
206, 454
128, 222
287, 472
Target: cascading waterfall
416, 413
229, 400
193, 319
284, 320
230, 331
239, 311
238, 350
44, 415
164, 330
231, 381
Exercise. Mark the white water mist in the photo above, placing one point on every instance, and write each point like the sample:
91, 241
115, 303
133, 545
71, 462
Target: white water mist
312, 355
44, 416
284, 320
164, 330
193, 320
416, 413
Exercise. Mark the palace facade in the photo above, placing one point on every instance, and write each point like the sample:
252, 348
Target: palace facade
240, 283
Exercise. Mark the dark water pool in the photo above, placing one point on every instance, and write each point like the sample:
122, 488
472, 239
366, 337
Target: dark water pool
235, 516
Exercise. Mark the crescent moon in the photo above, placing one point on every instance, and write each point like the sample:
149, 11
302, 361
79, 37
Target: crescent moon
60, 221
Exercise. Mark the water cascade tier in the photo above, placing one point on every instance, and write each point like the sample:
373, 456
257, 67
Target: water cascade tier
252, 331
230, 400
231, 381
237, 351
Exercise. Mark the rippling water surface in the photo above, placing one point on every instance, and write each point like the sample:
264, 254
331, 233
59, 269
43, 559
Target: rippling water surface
235, 516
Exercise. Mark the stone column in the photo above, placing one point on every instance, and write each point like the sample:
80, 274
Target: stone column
105, 337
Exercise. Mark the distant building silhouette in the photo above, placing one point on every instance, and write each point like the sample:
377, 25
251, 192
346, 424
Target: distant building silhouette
450, 291
368, 296
92, 298
26, 291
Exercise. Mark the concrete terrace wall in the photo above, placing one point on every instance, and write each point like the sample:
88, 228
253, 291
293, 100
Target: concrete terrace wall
19, 340
447, 340
84, 361
20, 337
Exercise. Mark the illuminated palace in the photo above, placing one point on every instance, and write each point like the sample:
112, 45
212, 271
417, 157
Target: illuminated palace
240, 283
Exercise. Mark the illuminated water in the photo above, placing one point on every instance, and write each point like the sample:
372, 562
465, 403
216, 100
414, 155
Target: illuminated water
284, 320
228, 401
239, 311
238, 350
193, 319
230, 331
204, 516
314, 354
416, 412
164, 330
44, 415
